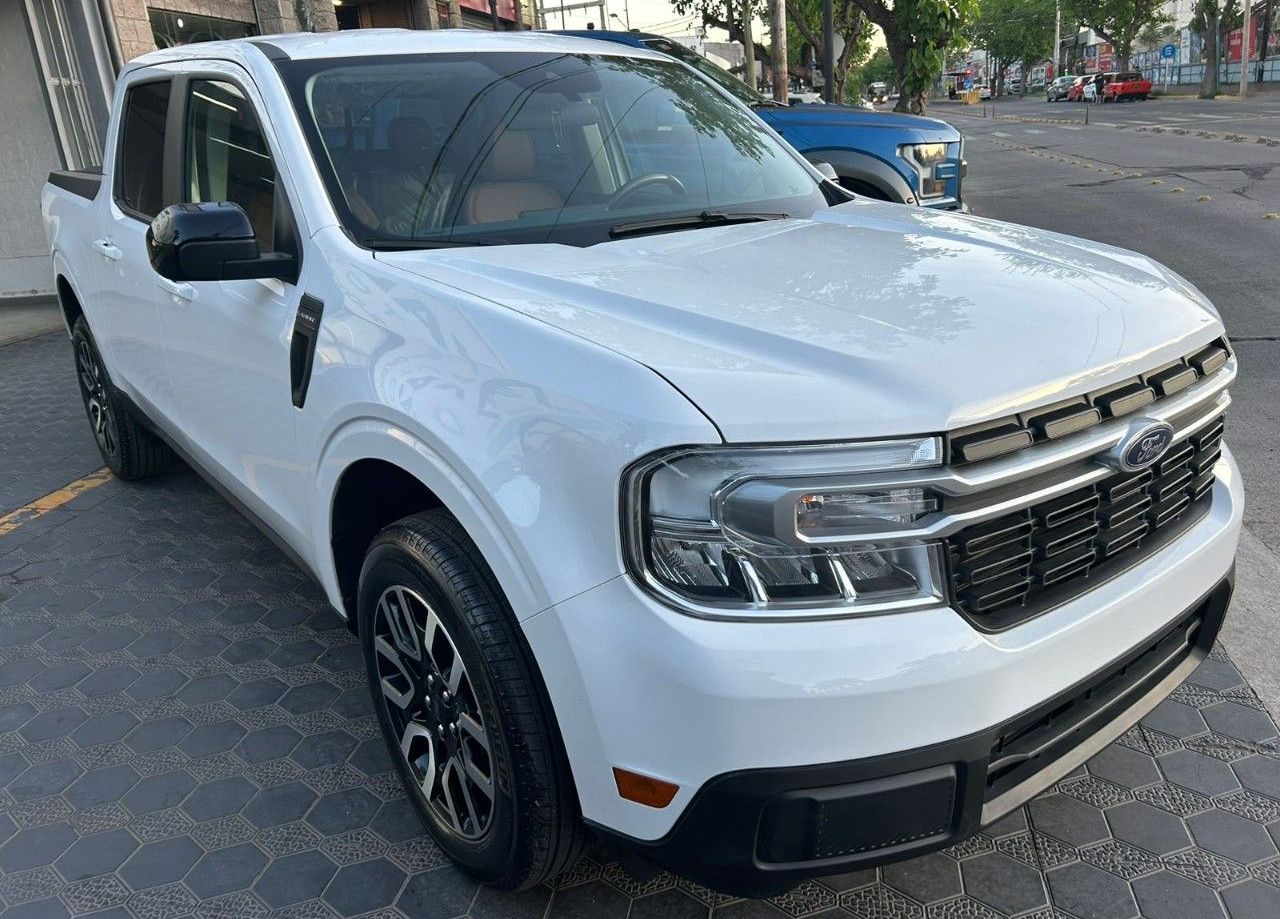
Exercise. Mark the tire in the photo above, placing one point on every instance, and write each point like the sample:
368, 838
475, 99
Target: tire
130, 451
491, 720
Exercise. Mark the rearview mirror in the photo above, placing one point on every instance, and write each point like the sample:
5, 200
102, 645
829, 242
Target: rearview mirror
211, 241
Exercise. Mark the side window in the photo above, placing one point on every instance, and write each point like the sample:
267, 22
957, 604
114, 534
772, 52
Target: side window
141, 149
227, 157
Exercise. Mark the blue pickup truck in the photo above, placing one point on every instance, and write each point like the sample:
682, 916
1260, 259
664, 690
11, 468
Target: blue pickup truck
891, 157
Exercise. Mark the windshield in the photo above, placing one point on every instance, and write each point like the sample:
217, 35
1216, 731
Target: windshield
494, 148
715, 74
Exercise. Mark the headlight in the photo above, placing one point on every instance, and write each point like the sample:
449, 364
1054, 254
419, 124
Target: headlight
924, 157
758, 532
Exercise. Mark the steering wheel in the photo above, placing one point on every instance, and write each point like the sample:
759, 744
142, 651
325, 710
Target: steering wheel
619, 197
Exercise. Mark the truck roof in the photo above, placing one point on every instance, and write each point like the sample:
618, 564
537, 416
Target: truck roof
371, 42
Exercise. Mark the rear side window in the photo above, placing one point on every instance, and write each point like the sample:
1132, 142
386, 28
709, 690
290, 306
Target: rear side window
139, 185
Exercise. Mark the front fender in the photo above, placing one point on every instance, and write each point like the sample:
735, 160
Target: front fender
863, 167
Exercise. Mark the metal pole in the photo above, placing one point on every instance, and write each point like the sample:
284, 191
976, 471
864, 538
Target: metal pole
778, 39
1057, 39
1244, 50
828, 52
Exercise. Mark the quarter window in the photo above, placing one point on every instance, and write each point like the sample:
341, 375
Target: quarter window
140, 187
227, 156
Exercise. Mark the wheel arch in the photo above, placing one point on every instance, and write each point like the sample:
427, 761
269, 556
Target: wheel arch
68, 301
857, 167
374, 473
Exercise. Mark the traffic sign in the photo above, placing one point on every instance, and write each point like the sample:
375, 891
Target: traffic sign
1169, 52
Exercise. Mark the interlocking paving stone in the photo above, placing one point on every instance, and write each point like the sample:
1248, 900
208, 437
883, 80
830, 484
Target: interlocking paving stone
185, 732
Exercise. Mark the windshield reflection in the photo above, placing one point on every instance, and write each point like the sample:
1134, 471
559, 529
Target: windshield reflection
500, 148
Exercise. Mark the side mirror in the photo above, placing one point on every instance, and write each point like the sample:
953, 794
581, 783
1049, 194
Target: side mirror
828, 171
211, 241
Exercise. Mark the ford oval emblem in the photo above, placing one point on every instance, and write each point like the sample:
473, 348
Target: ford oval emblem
1146, 442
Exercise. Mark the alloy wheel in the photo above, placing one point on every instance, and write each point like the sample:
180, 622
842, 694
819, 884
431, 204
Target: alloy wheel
94, 387
434, 712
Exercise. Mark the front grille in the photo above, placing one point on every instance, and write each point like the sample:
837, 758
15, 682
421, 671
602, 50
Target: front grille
1052, 422
1005, 570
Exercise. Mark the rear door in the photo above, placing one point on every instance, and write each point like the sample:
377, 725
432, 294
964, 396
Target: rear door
228, 341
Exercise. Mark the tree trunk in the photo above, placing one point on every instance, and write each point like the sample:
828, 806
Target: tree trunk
1209, 82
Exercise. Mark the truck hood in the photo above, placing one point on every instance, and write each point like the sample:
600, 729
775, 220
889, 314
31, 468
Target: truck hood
831, 117
867, 320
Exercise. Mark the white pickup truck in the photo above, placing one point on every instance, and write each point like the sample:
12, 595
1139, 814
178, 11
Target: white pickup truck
670, 492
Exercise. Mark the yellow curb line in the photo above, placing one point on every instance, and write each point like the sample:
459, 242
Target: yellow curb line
52, 501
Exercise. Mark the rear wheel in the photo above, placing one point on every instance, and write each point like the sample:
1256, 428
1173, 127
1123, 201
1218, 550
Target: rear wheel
129, 449
463, 713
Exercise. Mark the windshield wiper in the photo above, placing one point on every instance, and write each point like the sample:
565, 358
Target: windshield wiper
686, 221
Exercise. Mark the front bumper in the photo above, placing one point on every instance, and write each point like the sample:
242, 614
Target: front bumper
779, 726
758, 832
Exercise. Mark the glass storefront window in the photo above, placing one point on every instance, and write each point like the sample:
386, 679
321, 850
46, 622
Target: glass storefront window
170, 28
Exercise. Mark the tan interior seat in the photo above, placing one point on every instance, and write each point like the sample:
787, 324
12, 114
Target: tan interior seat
507, 186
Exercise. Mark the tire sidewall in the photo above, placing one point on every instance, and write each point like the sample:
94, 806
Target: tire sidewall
80, 333
390, 562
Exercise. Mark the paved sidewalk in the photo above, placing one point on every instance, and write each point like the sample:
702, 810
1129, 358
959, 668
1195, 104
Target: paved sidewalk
185, 731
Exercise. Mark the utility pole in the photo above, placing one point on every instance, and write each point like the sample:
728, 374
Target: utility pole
749, 43
1057, 39
778, 38
1244, 50
828, 52
1263, 41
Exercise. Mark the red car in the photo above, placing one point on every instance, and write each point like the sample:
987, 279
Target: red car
1076, 92
1122, 86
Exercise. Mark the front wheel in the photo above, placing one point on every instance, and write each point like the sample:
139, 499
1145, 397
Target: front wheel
462, 710
130, 451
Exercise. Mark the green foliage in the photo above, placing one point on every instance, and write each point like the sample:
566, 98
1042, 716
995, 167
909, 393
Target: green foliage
1013, 30
917, 33
1118, 21
879, 69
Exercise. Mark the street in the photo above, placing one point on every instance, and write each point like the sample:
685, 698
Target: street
185, 728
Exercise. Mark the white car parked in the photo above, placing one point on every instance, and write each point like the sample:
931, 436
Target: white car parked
670, 492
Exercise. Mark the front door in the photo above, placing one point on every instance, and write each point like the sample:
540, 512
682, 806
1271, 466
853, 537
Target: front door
228, 341
127, 325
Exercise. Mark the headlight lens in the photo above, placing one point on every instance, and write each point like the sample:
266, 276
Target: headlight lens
924, 157
785, 531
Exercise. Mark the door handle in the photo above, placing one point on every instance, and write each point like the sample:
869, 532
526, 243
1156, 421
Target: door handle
178, 289
107, 250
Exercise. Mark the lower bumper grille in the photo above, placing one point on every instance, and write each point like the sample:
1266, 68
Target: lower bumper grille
1005, 570
1029, 743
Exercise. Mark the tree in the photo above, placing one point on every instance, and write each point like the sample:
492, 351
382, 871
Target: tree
1213, 19
1118, 21
848, 21
917, 33
1013, 31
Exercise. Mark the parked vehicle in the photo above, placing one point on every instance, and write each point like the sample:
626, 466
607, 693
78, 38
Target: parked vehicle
984, 91
878, 92
1059, 88
1123, 87
669, 491
1076, 92
1015, 86
883, 155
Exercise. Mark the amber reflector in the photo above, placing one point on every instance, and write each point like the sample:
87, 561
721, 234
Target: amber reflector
644, 790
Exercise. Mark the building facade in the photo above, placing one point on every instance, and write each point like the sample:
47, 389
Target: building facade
59, 58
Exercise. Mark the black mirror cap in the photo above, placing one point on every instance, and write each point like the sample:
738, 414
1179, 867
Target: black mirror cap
211, 241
